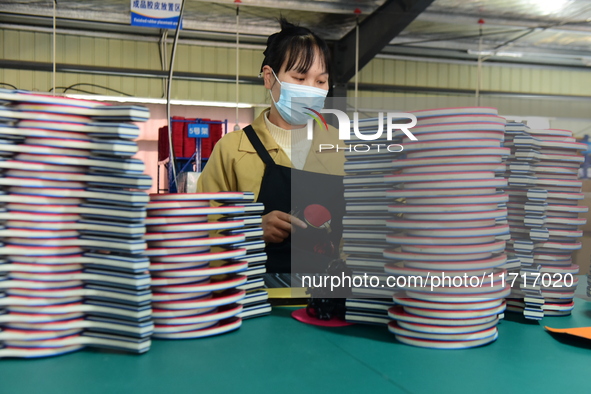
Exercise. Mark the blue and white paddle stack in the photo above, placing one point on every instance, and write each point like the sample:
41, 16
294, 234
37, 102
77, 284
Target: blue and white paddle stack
74, 271
528, 301
255, 302
543, 214
448, 246
364, 224
191, 297
368, 310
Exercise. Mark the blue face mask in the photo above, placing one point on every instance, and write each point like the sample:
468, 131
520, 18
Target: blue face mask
295, 101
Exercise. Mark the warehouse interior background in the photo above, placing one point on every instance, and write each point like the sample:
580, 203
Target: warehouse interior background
530, 59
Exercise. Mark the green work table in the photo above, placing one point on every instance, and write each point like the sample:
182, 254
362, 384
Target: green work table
278, 354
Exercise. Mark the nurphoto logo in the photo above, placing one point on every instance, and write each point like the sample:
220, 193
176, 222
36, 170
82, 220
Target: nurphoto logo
394, 121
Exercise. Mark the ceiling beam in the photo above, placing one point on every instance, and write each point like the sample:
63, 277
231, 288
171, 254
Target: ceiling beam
324, 7
492, 62
442, 55
121, 21
125, 72
207, 40
524, 23
375, 32
426, 47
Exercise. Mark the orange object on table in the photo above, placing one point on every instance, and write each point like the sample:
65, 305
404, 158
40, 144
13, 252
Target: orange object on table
583, 332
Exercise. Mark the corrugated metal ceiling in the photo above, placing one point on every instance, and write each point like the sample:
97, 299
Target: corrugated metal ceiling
550, 11
330, 18
555, 31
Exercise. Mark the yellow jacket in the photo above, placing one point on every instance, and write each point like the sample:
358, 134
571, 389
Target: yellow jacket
234, 164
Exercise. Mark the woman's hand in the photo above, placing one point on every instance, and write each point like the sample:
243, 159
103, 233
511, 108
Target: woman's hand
277, 226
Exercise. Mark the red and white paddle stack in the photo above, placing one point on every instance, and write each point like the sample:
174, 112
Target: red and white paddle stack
449, 257
73, 270
543, 215
191, 297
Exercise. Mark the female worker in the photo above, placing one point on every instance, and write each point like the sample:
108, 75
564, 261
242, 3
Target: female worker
300, 186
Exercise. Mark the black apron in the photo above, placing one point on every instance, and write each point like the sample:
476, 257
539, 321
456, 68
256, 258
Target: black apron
317, 199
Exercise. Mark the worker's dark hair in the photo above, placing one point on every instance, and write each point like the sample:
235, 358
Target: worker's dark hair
296, 47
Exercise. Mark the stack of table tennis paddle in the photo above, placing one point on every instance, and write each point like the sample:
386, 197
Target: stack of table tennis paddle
543, 215
73, 268
448, 242
199, 247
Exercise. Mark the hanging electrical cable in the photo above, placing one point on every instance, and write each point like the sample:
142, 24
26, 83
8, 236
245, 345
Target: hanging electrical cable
357, 13
237, 125
168, 92
163, 60
479, 68
94, 85
53, 47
